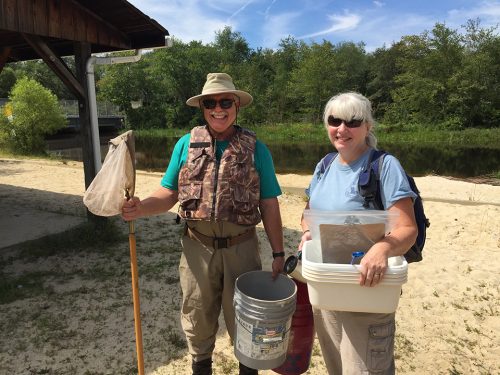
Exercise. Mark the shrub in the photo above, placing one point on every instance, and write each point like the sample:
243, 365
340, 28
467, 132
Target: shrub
34, 113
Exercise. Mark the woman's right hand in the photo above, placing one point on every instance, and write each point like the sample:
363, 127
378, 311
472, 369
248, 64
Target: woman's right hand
131, 209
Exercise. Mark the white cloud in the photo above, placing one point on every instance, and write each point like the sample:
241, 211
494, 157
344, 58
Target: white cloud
240, 9
264, 23
341, 23
268, 9
186, 20
487, 11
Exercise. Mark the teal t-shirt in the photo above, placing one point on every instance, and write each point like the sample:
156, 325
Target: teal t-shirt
269, 187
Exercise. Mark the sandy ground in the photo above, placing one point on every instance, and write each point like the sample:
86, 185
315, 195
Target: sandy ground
79, 320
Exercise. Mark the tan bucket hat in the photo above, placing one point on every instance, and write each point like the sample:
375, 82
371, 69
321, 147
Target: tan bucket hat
218, 83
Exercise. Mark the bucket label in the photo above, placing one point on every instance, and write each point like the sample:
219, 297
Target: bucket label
261, 342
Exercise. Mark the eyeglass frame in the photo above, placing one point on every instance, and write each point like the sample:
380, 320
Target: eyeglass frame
336, 122
219, 102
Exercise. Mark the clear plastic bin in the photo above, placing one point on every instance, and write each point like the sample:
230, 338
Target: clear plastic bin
339, 233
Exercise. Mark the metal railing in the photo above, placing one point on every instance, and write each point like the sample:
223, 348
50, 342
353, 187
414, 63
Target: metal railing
70, 108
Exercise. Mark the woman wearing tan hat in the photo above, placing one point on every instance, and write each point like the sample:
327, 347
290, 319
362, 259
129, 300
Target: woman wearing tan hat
224, 181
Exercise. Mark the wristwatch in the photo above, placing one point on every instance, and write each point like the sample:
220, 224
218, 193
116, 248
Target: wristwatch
280, 254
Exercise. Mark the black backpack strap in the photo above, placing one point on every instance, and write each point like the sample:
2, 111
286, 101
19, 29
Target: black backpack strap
369, 180
326, 161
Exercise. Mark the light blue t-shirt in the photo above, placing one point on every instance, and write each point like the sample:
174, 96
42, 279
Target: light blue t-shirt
337, 189
269, 186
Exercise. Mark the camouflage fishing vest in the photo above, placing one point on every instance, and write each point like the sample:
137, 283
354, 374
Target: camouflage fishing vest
228, 190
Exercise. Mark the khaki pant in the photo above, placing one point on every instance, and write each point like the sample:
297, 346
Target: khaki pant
356, 343
207, 279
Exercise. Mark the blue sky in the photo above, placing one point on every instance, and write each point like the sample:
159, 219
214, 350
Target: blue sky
263, 23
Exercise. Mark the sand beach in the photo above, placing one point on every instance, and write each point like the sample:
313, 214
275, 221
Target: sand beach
78, 317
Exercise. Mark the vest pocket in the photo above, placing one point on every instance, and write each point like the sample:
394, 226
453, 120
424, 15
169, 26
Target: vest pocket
190, 195
381, 347
241, 199
197, 165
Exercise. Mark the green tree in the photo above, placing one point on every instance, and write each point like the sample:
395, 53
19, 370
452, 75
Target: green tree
350, 67
7, 81
40, 72
181, 71
326, 70
476, 97
257, 79
311, 81
35, 113
428, 62
382, 70
123, 83
232, 52
283, 106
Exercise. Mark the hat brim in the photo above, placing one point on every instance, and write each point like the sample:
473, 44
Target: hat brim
245, 97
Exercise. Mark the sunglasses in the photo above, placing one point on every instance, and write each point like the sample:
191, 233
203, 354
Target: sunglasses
336, 122
212, 103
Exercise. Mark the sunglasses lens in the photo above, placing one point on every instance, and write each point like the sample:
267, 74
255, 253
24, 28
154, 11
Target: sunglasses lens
336, 122
209, 103
333, 121
226, 103
354, 123
212, 103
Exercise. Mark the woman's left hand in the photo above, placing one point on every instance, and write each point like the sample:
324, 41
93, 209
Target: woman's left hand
373, 267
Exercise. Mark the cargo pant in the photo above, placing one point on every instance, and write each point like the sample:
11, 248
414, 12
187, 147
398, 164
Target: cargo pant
355, 343
207, 278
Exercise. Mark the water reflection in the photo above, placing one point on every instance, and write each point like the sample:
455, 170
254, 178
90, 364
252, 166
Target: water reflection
301, 158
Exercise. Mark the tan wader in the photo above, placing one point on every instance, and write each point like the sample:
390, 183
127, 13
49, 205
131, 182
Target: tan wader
356, 343
207, 278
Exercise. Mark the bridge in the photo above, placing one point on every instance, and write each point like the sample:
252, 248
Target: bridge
109, 117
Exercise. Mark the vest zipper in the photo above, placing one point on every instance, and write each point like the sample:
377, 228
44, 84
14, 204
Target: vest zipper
217, 165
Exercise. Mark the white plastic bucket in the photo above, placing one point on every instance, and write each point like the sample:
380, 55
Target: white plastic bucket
334, 286
264, 308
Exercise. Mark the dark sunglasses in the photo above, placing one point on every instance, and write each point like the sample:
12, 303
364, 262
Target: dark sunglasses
336, 122
212, 103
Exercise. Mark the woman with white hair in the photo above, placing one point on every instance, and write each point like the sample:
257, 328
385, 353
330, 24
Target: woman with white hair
357, 342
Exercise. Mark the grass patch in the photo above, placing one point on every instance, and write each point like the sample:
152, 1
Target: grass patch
227, 366
27, 285
85, 236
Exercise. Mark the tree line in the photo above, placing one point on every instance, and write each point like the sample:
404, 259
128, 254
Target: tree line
443, 78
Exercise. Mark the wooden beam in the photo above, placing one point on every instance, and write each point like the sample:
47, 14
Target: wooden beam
82, 54
56, 64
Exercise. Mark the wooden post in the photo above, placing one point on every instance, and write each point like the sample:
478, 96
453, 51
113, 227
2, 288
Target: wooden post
82, 53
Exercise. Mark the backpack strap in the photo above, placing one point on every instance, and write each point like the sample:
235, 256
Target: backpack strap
326, 161
369, 180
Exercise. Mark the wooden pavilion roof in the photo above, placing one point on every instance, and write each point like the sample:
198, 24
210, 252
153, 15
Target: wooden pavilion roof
107, 25
52, 29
